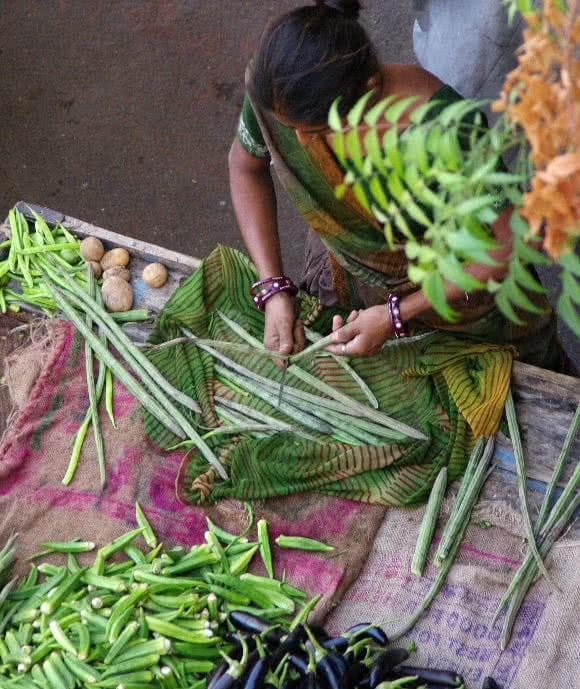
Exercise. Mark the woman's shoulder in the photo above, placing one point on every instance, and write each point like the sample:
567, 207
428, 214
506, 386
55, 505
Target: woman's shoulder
411, 80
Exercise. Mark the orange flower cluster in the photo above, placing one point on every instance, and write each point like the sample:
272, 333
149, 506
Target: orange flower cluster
542, 96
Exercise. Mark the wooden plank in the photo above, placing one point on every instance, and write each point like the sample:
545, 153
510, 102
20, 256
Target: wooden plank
149, 252
545, 401
179, 265
545, 404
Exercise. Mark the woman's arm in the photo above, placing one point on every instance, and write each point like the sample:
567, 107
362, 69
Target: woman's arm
367, 330
254, 200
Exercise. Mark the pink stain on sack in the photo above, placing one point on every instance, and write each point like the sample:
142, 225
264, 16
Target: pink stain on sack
123, 402
494, 557
122, 472
18, 472
317, 574
329, 520
75, 500
162, 486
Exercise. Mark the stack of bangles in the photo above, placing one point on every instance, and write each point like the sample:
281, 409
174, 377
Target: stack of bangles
394, 313
262, 290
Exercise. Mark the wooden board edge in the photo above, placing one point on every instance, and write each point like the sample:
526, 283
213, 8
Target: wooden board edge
150, 252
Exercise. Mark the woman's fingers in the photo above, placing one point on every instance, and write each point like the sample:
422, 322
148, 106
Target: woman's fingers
337, 321
351, 316
299, 337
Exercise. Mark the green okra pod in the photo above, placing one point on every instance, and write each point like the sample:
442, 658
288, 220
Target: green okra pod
303, 543
264, 543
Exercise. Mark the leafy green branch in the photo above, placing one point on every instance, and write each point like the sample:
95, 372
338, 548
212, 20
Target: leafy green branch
436, 183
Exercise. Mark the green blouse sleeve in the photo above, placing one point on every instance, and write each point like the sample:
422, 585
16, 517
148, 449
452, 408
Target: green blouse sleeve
249, 134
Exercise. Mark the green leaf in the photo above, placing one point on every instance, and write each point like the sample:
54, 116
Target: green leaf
569, 314
432, 142
355, 115
378, 194
520, 299
457, 111
412, 178
451, 180
518, 225
387, 228
475, 204
487, 216
354, 149
412, 250
395, 186
340, 191
361, 196
452, 270
472, 248
483, 171
528, 254
428, 197
419, 113
334, 120
514, 196
414, 210
434, 290
415, 148
525, 278
373, 115
338, 145
501, 178
400, 221
374, 151
450, 151
395, 111
570, 262
504, 305
416, 274
570, 287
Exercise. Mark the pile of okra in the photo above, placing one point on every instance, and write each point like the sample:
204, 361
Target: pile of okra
175, 618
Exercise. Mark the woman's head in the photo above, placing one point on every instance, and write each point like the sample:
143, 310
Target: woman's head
309, 57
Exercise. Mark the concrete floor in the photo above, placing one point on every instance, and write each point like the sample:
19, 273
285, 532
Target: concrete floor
122, 113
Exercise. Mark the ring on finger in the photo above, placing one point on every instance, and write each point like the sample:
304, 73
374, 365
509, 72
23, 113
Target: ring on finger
343, 348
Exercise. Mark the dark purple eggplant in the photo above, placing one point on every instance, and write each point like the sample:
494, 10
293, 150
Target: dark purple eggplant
289, 644
339, 644
236, 669
384, 664
446, 678
369, 631
356, 672
216, 674
299, 662
490, 683
328, 675
250, 624
257, 674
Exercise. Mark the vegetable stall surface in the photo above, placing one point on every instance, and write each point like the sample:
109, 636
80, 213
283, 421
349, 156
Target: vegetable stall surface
172, 618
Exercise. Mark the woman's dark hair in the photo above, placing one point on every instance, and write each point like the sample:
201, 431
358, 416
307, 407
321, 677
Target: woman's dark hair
309, 57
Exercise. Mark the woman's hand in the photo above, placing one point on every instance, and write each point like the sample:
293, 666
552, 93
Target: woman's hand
364, 333
282, 332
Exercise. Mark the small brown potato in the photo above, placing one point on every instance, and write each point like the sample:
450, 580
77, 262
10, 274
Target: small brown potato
155, 275
96, 268
92, 249
117, 272
115, 257
117, 294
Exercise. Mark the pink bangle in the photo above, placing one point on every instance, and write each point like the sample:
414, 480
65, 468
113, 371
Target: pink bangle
394, 313
262, 290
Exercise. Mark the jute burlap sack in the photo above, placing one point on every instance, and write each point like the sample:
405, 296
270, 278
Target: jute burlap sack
47, 382
456, 632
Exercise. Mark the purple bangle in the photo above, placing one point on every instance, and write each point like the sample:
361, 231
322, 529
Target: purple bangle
270, 287
394, 313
